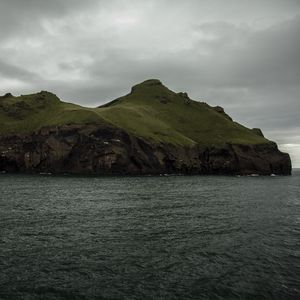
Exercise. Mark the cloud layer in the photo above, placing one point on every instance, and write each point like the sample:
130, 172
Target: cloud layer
243, 55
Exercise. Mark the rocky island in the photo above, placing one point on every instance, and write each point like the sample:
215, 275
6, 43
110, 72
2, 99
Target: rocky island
152, 130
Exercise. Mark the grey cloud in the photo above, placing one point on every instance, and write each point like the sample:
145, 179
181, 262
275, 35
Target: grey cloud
24, 17
241, 55
54, 8
11, 71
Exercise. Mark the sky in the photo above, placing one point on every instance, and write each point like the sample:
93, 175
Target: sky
241, 55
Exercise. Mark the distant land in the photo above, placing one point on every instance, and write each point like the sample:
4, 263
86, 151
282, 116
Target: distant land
152, 130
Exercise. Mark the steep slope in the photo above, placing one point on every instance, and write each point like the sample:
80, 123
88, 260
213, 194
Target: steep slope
153, 111
149, 131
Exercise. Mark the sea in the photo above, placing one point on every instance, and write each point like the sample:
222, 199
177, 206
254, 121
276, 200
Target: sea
149, 237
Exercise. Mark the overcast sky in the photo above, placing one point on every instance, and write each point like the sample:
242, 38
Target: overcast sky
242, 55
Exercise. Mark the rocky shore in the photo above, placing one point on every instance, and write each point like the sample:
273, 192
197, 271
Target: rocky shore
91, 149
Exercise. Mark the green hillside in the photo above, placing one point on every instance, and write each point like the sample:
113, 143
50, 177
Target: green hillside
151, 111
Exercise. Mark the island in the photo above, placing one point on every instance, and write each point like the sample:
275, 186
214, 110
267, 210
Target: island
150, 131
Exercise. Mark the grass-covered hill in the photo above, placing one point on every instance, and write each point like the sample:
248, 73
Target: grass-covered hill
150, 111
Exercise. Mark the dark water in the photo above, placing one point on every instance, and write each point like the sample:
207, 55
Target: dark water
149, 237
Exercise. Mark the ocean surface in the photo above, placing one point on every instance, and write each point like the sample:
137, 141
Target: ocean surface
169, 237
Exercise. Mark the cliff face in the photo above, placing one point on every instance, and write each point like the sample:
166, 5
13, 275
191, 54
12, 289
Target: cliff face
152, 130
98, 149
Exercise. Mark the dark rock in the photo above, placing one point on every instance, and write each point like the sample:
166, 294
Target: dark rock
7, 95
91, 149
150, 83
162, 99
258, 131
185, 97
221, 110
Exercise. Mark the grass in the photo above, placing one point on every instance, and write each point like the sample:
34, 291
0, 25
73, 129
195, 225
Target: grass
31, 112
150, 111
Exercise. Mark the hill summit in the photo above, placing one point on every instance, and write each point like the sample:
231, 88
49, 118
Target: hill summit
151, 130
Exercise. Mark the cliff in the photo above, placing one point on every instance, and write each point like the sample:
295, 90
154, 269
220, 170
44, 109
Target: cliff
152, 130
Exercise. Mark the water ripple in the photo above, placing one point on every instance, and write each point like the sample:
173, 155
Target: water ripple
149, 237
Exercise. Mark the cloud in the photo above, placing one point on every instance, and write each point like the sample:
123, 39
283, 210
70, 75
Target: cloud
294, 151
241, 55
11, 71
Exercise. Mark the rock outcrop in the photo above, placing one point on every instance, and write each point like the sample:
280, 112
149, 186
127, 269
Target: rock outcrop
151, 130
90, 149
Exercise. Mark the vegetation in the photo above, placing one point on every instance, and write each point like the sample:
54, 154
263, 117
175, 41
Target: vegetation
150, 111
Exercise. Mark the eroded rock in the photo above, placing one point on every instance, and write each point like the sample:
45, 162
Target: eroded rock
91, 149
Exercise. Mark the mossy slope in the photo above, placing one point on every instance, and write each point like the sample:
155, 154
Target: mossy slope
151, 111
